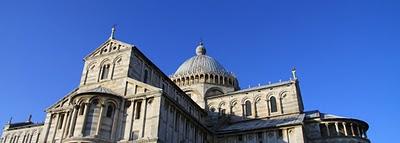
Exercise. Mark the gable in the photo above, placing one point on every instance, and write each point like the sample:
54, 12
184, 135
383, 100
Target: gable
63, 102
110, 46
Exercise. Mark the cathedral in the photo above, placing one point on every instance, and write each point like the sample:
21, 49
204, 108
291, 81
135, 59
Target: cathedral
123, 97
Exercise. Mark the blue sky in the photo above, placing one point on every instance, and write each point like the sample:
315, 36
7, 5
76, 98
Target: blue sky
346, 51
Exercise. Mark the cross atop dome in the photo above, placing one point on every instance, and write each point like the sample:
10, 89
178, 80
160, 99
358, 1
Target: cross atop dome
200, 50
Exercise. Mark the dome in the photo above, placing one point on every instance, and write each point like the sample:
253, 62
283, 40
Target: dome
201, 63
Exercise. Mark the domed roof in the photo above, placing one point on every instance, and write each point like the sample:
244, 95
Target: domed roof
201, 63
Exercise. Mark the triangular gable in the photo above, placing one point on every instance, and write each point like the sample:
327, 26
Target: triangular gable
59, 102
119, 45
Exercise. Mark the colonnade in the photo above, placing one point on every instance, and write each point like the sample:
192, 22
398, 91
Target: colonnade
66, 123
254, 111
205, 78
340, 128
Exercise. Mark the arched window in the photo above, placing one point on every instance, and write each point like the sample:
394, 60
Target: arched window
223, 112
110, 111
213, 91
138, 108
82, 109
61, 120
272, 102
105, 70
248, 108
92, 119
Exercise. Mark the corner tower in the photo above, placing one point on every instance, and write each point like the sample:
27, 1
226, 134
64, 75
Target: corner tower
201, 76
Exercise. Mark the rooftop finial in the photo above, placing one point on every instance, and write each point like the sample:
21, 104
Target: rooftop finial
294, 73
200, 50
29, 118
9, 121
112, 32
201, 41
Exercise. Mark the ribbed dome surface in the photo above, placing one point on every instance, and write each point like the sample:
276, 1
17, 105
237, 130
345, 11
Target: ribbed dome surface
200, 64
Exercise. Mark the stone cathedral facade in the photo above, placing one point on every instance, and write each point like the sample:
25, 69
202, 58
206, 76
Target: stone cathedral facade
123, 97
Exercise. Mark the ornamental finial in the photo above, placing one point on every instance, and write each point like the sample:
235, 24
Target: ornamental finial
201, 42
112, 32
29, 118
200, 50
294, 73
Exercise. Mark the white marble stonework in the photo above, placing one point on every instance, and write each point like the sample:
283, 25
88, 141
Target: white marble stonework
124, 97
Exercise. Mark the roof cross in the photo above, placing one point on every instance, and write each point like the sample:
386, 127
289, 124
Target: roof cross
112, 32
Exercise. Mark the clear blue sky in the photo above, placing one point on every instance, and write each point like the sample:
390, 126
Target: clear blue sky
346, 51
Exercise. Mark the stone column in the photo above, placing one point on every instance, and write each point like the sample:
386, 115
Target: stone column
243, 112
337, 128
288, 135
255, 109
98, 129
230, 110
23, 139
5, 139
121, 117
344, 128
46, 128
358, 130
129, 121
114, 123
352, 129
73, 121
68, 123
281, 104
84, 119
327, 129
56, 127
269, 112
144, 116
64, 127
112, 71
18, 138
30, 138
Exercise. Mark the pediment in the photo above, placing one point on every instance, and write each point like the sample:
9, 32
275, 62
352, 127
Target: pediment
63, 102
109, 46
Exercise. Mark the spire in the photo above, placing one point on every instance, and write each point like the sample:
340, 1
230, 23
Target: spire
200, 50
112, 32
294, 76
